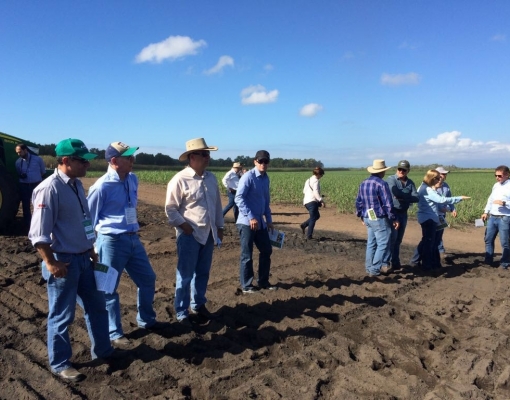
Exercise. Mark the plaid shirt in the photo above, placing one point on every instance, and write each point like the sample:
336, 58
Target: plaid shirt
374, 193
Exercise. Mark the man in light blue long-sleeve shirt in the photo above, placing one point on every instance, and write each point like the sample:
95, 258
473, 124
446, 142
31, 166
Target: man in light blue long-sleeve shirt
254, 220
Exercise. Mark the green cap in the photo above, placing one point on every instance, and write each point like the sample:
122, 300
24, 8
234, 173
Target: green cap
73, 147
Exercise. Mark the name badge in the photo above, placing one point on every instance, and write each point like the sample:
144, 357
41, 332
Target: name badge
131, 215
89, 229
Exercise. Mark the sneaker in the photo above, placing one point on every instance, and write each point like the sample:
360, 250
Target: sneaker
302, 228
269, 287
386, 270
203, 312
121, 341
250, 289
71, 374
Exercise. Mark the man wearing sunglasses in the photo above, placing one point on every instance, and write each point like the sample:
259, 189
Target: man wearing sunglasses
498, 206
254, 220
112, 201
404, 194
62, 232
193, 208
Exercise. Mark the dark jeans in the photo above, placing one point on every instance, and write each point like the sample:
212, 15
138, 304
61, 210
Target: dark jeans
428, 247
261, 239
231, 203
313, 209
396, 240
26, 190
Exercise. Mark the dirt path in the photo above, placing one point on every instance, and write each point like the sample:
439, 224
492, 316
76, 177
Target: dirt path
329, 332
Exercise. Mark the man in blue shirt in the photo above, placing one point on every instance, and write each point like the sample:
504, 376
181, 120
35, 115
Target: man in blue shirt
112, 201
31, 170
254, 220
374, 205
62, 233
404, 194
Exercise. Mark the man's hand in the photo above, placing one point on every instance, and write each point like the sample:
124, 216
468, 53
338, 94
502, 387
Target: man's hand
220, 234
187, 229
396, 224
93, 256
323, 204
454, 213
484, 217
57, 268
270, 226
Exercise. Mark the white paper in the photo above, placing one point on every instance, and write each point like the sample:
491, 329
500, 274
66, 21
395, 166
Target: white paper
479, 223
276, 238
106, 278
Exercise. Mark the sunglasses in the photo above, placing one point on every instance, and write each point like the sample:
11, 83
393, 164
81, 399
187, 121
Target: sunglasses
263, 161
80, 160
401, 169
202, 153
498, 176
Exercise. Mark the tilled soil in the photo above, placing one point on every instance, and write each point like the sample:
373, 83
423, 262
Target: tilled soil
328, 332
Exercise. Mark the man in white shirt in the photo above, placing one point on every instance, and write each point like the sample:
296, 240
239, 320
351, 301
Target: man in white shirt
193, 207
231, 181
498, 206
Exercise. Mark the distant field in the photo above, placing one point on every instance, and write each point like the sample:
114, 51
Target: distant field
341, 187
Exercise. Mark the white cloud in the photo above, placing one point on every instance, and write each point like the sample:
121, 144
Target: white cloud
257, 94
172, 48
268, 67
310, 110
499, 38
411, 78
223, 62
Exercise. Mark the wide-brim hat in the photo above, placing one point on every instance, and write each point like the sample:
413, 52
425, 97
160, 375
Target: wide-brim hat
237, 165
378, 166
195, 145
73, 148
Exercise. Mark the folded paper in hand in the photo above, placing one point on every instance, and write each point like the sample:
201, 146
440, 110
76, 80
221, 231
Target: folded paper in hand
106, 278
276, 238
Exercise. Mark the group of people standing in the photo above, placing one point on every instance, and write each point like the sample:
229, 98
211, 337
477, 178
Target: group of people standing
73, 232
383, 207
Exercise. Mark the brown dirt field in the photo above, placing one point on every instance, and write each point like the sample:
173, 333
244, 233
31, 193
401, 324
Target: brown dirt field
328, 332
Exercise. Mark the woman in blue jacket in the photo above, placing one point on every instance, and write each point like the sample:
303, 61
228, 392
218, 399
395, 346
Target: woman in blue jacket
428, 201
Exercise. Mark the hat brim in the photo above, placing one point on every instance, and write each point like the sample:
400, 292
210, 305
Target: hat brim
129, 152
376, 171
184, 156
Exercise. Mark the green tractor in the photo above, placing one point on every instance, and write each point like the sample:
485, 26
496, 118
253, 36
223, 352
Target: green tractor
9, 181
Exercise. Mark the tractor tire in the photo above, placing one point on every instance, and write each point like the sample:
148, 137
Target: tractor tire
9, 199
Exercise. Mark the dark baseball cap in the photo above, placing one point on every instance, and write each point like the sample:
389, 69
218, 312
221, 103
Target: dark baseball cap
404, 164
119, 149
262, 154
73, 148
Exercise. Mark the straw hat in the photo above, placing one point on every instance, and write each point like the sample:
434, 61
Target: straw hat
195, 145
237, 165
378, 166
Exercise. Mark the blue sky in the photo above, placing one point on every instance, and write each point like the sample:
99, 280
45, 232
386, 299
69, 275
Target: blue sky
343, 82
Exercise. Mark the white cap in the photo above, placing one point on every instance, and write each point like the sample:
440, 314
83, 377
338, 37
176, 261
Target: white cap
441, 170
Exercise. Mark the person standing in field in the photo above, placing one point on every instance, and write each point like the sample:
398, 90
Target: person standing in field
62, 233
445, 191
193, 207
31, 169
404, 194
254, 220
374, 206
312, 201
498, 206
231, 181
112, 201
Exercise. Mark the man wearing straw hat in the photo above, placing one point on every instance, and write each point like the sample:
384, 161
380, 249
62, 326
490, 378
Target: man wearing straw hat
193, 207
374, 205
231, 181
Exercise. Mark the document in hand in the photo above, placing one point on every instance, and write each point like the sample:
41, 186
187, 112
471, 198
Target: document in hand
276, 238
106, 278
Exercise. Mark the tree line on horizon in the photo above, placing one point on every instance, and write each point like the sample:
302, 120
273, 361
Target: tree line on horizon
160, 159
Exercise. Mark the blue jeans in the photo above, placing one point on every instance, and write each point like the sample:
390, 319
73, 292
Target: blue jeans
193, 267
378, 242
427, 250
79, 286
396, 240
313, 210
261, 239
121, 252
231, 203
494, 226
